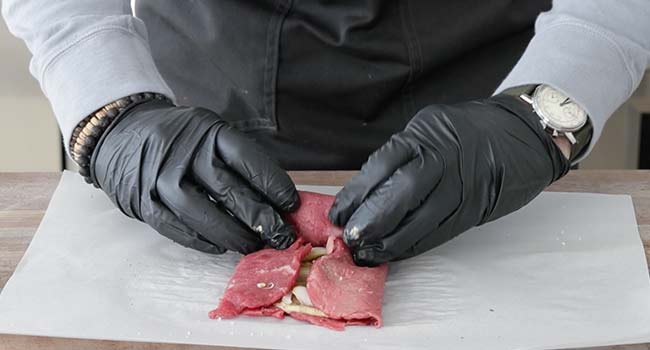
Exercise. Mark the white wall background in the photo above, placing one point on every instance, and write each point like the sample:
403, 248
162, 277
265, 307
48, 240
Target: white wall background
29, 137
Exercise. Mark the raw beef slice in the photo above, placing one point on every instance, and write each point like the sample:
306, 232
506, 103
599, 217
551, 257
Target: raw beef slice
341, 293
310, 220
260, 280
345, 291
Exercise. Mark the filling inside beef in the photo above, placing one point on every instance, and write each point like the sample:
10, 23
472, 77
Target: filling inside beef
298, 299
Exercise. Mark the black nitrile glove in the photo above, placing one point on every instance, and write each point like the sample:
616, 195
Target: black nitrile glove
194, 179
452, 168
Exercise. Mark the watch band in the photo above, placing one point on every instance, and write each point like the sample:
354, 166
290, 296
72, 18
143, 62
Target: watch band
583, 139
516, 91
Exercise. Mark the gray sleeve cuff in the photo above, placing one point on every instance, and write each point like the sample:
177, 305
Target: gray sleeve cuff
96, 69
585, 62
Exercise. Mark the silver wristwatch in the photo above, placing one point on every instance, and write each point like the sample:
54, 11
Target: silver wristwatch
558, 114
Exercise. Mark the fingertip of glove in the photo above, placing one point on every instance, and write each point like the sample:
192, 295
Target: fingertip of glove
281, 238
294, 202
337, 213
251, 248
353, 236
333, 215
287, 199
365, 257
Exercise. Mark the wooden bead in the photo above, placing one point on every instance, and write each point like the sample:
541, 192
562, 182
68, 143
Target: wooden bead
87, 133
98, 122
84, 171
103, 123
100, 114
87, 141
93, 132
94, 120
82, 161
111, 113
81, 149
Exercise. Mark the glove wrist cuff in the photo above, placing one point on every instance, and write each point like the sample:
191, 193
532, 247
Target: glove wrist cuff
87, 133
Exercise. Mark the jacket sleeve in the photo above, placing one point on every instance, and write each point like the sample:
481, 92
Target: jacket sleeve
594, 51
85, 53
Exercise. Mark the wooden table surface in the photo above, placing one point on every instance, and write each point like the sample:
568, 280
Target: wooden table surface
25, 196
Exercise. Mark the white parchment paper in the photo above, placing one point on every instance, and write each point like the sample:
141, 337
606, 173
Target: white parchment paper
568, 270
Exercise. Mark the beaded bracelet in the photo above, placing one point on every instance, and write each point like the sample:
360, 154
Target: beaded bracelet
87, 133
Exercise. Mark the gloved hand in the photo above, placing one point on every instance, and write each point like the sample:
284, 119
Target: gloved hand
452, 168
194, 179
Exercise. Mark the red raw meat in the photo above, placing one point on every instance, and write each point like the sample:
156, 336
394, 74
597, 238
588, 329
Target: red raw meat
336, 325
310, 220
345, 291
263, 311
279, 267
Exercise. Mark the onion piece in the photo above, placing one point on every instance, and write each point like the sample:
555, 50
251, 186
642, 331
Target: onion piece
286, 299
301, 294
303, 309
305, 268
315, 253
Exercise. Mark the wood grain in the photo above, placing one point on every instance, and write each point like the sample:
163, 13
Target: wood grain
19, 191
25, 196
15, 342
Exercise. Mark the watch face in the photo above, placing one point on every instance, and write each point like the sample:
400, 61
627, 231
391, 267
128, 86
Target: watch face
560, 112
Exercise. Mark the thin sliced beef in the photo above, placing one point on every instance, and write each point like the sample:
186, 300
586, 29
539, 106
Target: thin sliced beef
264, 311
336, 325
276, 269
345, 291
310, 220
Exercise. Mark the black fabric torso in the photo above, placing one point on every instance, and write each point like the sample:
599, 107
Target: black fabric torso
322, 84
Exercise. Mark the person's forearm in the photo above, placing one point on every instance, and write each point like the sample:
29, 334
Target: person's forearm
86, 54
594, 51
